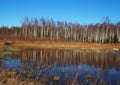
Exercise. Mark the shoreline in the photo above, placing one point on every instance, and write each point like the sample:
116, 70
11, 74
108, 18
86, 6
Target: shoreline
65, 45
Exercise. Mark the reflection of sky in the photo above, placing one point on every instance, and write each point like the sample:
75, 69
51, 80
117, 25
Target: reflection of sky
85, 69
69, 70
12, 63
114, 75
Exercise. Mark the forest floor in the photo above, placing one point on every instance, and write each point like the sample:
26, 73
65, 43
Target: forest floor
64, 45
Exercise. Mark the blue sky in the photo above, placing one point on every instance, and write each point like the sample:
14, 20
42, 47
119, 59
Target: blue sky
12, 12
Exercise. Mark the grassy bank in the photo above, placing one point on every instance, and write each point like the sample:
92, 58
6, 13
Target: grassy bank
63, 45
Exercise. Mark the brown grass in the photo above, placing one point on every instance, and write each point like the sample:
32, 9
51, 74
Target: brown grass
63, 44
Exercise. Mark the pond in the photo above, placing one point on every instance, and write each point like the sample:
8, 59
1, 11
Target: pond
65, 67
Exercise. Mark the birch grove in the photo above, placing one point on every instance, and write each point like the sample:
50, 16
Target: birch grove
43, 29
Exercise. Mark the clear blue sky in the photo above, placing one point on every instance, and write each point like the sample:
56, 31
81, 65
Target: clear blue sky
12, 12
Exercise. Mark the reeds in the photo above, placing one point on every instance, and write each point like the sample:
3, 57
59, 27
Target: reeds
8, 77
38, 75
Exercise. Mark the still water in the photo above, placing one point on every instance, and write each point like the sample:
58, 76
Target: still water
65, 64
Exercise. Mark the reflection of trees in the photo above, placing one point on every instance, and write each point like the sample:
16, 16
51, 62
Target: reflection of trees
65, 57
0, 63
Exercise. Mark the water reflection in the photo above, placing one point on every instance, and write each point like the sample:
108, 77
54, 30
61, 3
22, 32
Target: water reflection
57, 61
69, 57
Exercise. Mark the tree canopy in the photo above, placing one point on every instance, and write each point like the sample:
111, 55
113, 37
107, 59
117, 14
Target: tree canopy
42, 29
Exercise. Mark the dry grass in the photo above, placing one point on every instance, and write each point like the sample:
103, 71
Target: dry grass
2, 46
63, 44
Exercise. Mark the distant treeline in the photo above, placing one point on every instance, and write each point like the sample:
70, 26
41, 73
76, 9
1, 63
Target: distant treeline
42, 29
